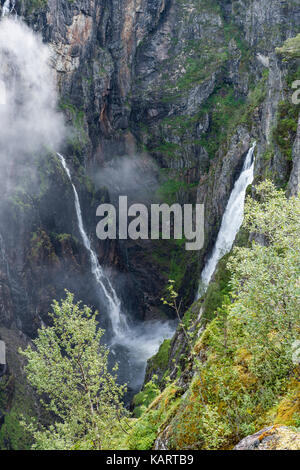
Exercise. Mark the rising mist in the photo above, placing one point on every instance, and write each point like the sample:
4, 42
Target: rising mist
30, 122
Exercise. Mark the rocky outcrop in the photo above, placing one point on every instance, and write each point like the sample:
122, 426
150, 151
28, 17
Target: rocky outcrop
272, 438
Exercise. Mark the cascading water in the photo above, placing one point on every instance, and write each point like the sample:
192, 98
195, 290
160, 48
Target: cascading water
132, 345
231, 222
118, 320
6, 8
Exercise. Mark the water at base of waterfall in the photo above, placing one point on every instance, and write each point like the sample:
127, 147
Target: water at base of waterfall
231, 222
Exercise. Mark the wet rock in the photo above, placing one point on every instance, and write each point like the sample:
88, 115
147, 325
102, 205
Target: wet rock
271, 438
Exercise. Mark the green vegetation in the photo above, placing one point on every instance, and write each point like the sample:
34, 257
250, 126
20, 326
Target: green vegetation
143, 399
41, 248
32, 5
69, 366
290, 49
16, 398
12, 434
200, 67
172, 187
233, 377
217, 291
285, 132
79, 139
173, 262
160, 360
21, 202
248, 378
226, 111
144, 431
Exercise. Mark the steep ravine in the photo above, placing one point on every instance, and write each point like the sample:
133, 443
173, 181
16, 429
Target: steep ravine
171, 93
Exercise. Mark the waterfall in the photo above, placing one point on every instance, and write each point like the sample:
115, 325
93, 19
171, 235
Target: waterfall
9, 7
118, 320
232, 220
6, 8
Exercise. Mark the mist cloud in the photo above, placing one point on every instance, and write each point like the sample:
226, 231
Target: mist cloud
29, 120
134, 176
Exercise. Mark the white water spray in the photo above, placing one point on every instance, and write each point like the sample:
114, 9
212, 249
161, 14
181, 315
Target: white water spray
8, 7
231, 222
118, 320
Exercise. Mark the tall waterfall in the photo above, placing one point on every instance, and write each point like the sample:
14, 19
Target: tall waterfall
118, 320
6, 8
232, 220
133, 345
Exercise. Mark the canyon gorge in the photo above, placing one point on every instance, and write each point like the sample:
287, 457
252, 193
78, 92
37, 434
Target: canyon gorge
165, 101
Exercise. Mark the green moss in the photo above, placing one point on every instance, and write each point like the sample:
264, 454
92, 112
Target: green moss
161, 359
41, 248
143, 399
12, 434
269, 153
287, 412
16, 399
290, 49
33, 5
197, 425
285, 132
173, 184
199, 68
62, 237
80, 138
217, 291
21, 202
225, 110
145, 430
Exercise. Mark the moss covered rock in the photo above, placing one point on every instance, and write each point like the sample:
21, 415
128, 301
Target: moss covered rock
271, 438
